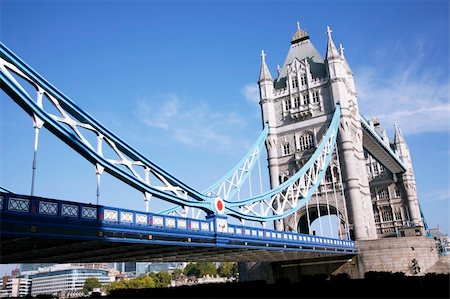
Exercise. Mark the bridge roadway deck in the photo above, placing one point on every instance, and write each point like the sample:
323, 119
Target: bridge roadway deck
35, 229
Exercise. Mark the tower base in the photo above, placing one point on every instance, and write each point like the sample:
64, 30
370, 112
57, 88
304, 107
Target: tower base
410, 255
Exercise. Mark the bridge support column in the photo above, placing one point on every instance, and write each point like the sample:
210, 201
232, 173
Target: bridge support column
358, 199
251, 271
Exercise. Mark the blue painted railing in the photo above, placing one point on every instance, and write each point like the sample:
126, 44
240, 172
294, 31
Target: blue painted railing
39, 210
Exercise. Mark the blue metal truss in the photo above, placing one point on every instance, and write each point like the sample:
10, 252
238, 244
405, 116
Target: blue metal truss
18, 94
45, 217
291, 195
230, 183
311, 170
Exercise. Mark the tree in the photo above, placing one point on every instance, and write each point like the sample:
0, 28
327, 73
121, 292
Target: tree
90, 284
192, 270
162, 279
177, 273
200, 269
224, 269
141, 282
228, 269
207, 268
235, 270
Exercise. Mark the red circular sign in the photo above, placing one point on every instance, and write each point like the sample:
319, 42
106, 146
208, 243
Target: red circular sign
219, 205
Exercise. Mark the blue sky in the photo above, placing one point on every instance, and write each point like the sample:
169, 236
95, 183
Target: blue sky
177, 81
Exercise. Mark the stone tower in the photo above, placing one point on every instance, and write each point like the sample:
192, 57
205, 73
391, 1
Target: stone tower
394, 196
298, 106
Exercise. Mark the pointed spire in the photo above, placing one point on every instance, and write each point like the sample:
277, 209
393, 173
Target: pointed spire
341, 50
398, 138
264, 73
299, 35
331, 48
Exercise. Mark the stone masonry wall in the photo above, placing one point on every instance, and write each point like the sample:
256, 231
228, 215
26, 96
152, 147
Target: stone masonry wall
396, 254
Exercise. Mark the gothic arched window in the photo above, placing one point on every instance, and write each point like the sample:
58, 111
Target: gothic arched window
305, 141
286, 149
296, 101
315, 97
287, 104
386, 213
383, 194
294, 82
303, 79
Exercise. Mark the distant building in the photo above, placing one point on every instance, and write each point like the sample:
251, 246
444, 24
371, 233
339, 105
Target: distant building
67, 282
103, 266
32, 267
17, 287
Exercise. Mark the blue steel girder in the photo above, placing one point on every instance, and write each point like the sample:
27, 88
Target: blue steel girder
30, 218
171, 190
293, 194
275, 204
230, 183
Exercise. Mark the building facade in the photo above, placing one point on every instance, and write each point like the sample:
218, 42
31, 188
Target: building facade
17, 287
298, 105
67, 282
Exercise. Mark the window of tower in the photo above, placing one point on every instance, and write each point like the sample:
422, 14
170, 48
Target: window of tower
398, 215
294, 82
296, 101
315, 97
398, 191
305, 141
376, 213
386, 213
377, 218
382, 169
383, 194
376, 170
303, 79
286, 149
287, 104
306, 98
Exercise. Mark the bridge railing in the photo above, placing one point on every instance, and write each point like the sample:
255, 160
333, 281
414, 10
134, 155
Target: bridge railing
84, 213
285, 237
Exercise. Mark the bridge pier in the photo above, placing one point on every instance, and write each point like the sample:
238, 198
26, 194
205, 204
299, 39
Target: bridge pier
387, 255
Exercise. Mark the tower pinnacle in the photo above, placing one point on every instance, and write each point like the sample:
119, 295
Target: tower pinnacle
264, 73
329, 32
398, 138
299, 35
331, 48
341, 50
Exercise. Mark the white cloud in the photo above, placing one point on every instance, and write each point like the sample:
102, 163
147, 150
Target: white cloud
410, 92
437, 195
251, 92
190, 123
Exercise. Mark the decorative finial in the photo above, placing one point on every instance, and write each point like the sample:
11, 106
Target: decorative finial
329, 32
263, 55
278, 69
375, 121
299, 35
341, 50
395, 125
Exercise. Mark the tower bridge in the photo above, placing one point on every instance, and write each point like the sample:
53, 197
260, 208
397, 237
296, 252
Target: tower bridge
324, 159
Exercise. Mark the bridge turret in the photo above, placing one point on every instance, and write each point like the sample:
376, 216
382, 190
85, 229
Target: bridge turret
350, 145
409, 181
266, 93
